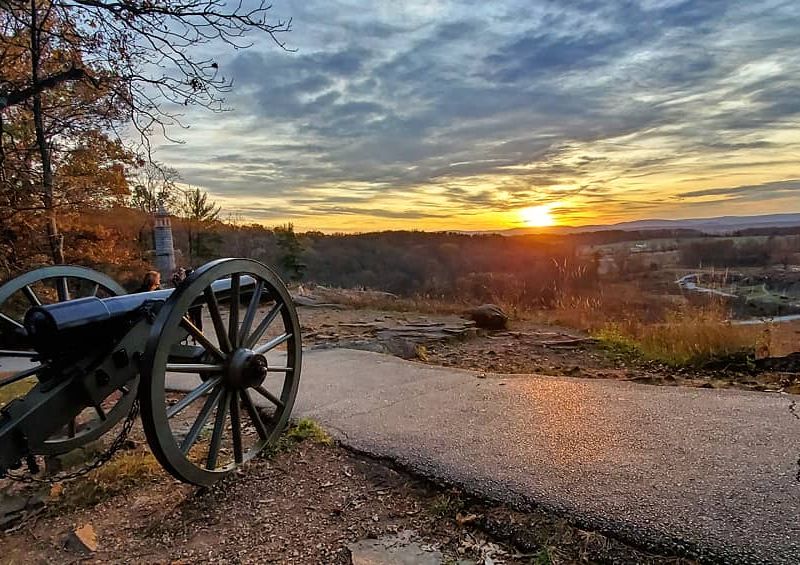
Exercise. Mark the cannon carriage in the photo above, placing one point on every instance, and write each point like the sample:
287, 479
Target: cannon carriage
213, 365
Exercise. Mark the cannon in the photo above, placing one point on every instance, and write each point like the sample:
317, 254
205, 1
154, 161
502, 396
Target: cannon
213, 365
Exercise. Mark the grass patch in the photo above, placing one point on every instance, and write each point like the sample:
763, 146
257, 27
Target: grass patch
308, 429
614, 340
542, 558
125, 471
305, 429
446, 506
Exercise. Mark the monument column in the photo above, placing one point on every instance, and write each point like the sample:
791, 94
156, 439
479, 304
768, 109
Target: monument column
165, 250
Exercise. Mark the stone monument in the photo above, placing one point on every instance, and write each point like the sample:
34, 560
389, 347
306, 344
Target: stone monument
165, 251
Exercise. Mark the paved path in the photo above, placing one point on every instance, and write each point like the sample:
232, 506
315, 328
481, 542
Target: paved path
709, 471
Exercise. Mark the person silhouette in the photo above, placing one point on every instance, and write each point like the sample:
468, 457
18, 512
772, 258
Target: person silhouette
151, 281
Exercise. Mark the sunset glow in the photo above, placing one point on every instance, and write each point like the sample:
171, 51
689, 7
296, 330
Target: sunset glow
537, 216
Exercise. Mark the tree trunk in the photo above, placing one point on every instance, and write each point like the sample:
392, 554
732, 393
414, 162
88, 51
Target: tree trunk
191, 260
54, 237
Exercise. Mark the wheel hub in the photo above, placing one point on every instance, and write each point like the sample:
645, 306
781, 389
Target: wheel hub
246, 368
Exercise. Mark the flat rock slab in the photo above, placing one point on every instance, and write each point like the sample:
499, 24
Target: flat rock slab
14, 508
708, 472
396, 336
393, 550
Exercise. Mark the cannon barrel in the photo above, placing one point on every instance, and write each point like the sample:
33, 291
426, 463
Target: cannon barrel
49, 322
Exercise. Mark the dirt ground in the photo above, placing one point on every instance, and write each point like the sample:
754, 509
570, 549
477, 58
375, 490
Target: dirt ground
527, 347
304, 505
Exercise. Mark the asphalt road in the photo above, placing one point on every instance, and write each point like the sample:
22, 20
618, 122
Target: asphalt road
711, 473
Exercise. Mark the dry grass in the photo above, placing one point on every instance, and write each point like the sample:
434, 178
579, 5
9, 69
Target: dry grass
125, 471
630, 320
666, 329
593, 309
690, 337
15, 390
781, 339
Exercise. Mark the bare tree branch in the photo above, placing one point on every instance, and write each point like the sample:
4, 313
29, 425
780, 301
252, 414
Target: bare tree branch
19, 96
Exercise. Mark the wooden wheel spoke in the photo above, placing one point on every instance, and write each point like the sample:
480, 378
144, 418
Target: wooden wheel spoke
72, 428
269, 396
15, 353
250, 315
233, 320
31, 296
201, 338
201, 420
179, 406
263, 325
219, 427
62, 289
194, 368
254, 415
236, 429
216, 318
10, 321
272, 344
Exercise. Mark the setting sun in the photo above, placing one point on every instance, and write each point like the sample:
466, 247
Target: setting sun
537, 216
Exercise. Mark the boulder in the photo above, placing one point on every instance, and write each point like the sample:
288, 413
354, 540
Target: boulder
488, 317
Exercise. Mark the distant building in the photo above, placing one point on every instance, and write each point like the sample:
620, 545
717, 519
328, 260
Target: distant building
165, 250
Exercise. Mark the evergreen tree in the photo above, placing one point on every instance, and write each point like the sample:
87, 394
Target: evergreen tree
292, 251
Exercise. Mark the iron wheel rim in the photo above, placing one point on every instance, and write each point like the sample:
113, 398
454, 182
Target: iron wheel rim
24, 284
169, 327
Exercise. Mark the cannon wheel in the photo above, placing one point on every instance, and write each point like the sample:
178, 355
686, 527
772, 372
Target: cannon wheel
61, 282
206, 418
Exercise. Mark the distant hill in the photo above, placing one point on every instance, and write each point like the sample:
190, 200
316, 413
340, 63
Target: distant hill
721, 224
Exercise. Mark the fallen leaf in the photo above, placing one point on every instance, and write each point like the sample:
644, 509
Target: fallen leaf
56, 490
83, 539
462, 519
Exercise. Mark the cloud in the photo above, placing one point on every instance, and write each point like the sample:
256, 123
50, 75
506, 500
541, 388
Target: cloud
764, 191
503, 104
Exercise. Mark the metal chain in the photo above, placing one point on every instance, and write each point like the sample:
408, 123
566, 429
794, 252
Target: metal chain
99, 461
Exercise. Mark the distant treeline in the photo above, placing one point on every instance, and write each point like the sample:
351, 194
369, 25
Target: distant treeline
531, 269
526, 269
742, 251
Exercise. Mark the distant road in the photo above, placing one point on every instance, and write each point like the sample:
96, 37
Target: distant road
708, 472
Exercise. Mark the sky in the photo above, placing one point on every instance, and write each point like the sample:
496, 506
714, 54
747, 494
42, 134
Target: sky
445, 115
